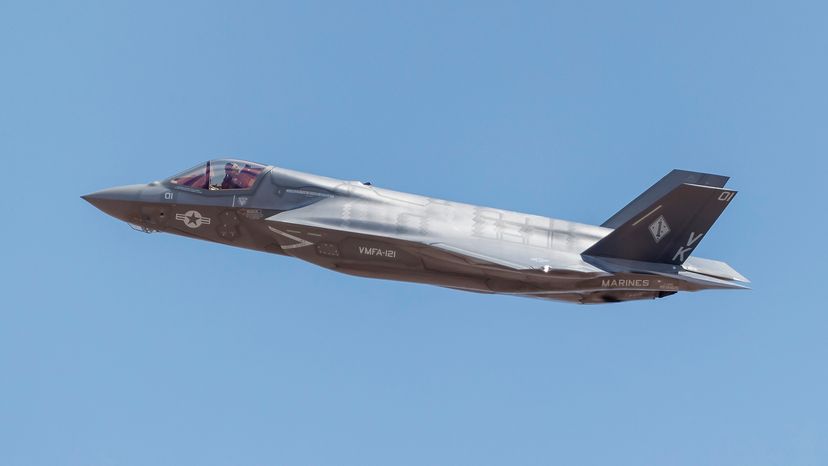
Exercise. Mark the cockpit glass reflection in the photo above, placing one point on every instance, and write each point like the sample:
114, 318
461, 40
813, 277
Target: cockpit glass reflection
217, 175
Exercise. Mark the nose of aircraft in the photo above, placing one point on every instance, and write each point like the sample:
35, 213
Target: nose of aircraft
120, 202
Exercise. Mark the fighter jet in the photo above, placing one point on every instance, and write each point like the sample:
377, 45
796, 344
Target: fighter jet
642, 252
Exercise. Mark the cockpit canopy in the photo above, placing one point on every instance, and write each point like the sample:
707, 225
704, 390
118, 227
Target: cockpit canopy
220, 174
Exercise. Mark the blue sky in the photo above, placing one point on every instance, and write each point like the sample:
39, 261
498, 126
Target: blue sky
120, 348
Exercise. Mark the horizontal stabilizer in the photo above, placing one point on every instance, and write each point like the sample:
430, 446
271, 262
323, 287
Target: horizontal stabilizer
694, 269
669, 229
709, 282
671, 181
713, 268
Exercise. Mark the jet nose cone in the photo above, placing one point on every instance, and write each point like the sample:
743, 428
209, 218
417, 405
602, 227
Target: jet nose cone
118, 193
119, 202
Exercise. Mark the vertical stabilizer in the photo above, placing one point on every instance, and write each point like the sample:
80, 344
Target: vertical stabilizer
670, 182
668, 229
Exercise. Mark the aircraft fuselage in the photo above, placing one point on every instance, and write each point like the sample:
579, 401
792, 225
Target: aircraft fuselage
359, 229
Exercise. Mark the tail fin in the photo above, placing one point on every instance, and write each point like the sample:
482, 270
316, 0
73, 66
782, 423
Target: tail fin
670, 182
668, 229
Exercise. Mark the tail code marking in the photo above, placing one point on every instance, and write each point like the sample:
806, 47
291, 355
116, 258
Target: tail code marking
689, 247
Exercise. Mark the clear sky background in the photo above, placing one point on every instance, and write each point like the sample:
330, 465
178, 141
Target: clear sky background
119, 348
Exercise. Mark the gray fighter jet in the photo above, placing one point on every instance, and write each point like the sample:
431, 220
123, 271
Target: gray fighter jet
641, 252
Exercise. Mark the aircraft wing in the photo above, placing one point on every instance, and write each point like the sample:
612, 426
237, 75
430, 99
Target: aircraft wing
342, 215
516, 257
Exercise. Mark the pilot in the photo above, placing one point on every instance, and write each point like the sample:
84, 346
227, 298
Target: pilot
231, 176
